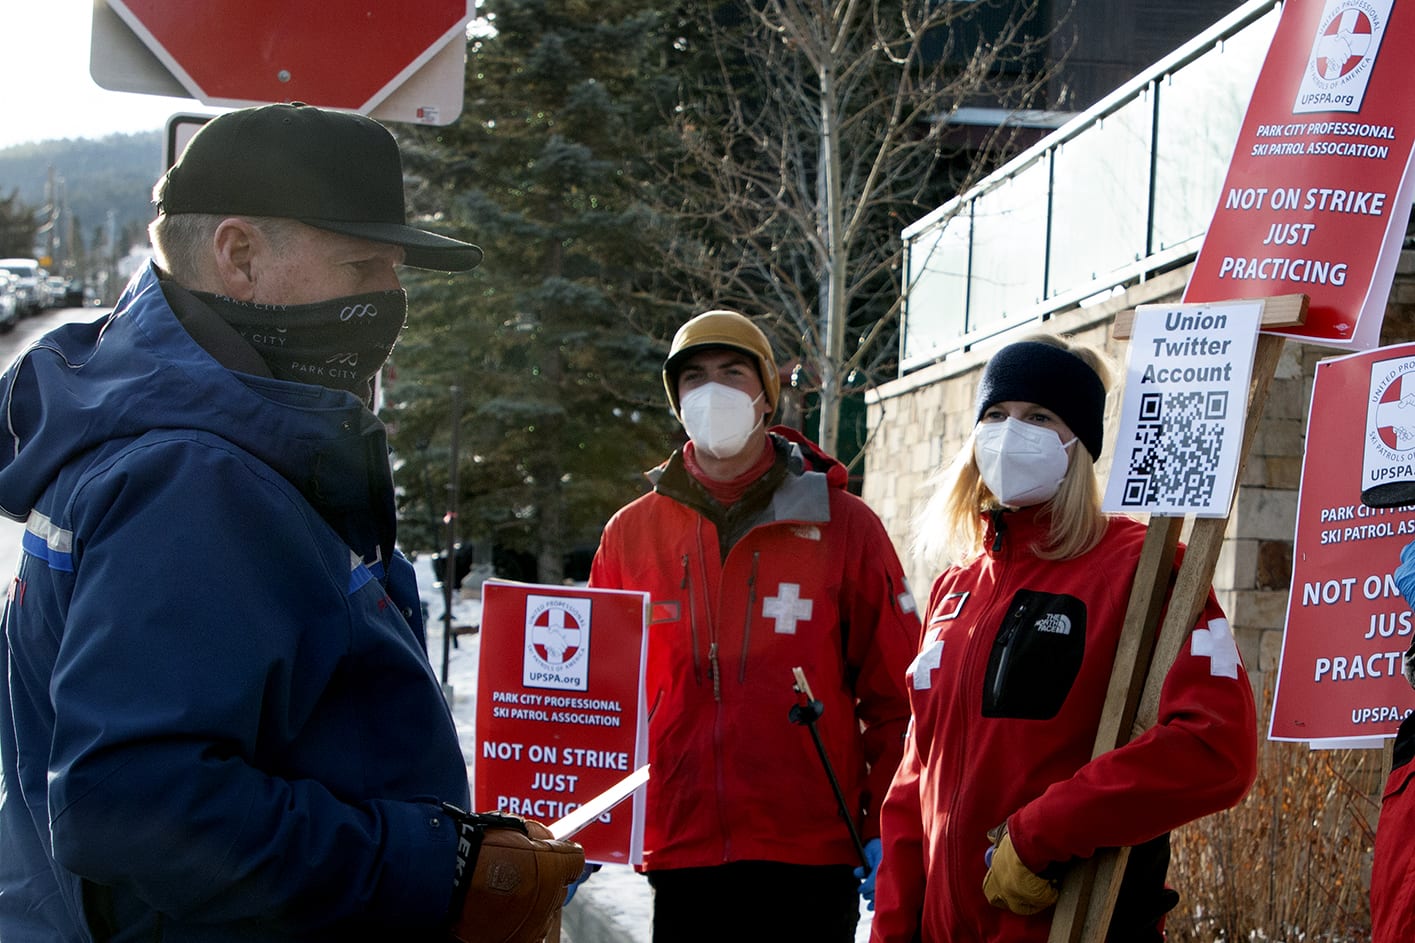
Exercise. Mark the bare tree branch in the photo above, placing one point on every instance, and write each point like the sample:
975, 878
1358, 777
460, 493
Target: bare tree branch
820, 131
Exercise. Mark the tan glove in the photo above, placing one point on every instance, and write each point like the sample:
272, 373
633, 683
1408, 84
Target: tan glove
1010, 884
514, 874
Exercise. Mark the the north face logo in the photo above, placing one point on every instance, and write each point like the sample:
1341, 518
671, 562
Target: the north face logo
1055, 623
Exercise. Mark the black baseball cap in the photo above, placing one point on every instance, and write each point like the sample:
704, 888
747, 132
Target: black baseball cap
334, 170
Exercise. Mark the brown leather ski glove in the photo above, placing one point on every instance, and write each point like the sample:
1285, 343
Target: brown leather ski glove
511, 877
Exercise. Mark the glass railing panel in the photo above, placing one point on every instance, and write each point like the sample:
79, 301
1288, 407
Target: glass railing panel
1201, 108
936, 292
1100, 199
1009, 250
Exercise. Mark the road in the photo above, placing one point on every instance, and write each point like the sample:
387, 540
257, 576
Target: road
11, 343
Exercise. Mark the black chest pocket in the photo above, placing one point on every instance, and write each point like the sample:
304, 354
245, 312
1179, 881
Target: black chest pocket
1036, 656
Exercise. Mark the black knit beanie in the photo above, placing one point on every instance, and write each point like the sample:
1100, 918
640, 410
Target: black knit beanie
1033, 372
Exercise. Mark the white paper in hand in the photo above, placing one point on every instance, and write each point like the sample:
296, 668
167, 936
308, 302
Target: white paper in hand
583, 815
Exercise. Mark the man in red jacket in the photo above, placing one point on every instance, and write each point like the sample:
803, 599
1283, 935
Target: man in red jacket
758, 561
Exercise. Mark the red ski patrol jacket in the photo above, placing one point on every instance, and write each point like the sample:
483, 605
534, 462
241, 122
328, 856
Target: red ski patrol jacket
800, 573
1007, 693
1392, 874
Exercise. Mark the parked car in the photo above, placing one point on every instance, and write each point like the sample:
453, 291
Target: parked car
33, 295
55, 288
9, 300
75, 295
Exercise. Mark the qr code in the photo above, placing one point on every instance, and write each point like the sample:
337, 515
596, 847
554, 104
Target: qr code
1176, 449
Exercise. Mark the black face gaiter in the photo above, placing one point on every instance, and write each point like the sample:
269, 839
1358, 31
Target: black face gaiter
340, 343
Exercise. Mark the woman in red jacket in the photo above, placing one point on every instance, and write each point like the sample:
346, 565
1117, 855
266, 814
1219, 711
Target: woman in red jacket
997, 793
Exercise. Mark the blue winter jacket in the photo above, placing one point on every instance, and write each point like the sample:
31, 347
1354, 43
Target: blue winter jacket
218, 721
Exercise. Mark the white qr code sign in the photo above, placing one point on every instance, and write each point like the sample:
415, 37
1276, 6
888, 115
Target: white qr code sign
1181, 421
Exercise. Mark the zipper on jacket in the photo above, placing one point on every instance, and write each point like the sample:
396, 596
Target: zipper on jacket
1005, 640
973, 650
687, 584
714, 670
747, 621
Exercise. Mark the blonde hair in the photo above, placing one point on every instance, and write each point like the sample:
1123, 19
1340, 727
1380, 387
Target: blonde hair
951, 527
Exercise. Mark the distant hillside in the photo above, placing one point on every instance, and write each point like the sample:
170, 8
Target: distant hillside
93, 176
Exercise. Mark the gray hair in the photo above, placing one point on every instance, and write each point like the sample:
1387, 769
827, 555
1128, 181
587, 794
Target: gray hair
181, 244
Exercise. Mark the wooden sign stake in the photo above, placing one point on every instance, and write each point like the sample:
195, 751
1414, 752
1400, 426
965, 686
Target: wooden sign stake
1144, 656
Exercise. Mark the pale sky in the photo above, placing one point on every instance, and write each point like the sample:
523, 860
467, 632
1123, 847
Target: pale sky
45, 87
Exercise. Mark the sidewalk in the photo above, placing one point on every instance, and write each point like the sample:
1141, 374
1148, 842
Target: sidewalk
613, 906
616, 906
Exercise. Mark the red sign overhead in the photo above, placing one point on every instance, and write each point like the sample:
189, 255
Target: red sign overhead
1319, 188
349, 54
1340, 680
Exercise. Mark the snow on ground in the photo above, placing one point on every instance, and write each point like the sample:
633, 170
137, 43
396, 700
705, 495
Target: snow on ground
614, 906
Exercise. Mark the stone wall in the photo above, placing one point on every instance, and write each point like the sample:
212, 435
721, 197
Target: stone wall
919, 421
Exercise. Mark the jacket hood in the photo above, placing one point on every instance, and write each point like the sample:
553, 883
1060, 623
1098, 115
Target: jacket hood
138, 370
815, 458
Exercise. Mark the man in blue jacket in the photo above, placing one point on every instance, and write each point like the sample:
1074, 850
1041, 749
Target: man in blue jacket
218, 721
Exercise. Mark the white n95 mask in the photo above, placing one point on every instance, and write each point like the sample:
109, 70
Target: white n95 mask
719, 419
1022, 464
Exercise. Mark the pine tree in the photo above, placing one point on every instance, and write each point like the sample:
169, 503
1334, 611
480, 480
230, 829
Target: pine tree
19, 226
555, 341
